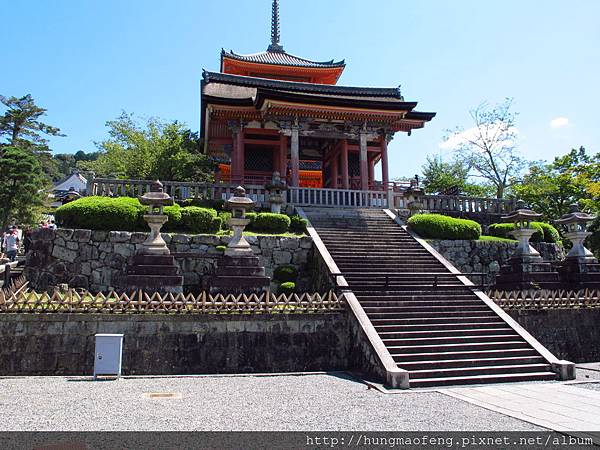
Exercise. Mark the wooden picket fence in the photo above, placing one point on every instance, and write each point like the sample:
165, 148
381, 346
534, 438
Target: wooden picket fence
138, 302
15, 286
546, 299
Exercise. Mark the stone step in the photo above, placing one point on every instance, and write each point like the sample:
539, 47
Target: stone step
429, 315
479, 370
152, 270
384, 326
153, 260
439, 333
420, 303
457, 347
426, 309
152, 283
241, 270
404, 359
481, 379
434, 322
447, 340
468, 362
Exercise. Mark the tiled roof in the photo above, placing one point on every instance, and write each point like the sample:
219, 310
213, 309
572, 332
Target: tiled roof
293, 86
281, 58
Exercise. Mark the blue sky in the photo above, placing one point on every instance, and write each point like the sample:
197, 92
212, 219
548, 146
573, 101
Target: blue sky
85, 60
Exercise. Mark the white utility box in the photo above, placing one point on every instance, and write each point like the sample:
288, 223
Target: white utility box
108, 354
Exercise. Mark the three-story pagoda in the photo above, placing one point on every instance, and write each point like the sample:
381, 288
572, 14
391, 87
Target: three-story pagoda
275, 112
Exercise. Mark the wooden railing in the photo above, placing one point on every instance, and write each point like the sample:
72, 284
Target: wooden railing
546, 299
336, 198
72, 301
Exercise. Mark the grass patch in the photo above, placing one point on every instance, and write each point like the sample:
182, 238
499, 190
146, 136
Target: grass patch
496, 239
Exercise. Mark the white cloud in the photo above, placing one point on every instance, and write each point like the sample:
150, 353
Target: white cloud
559, 122
455, 140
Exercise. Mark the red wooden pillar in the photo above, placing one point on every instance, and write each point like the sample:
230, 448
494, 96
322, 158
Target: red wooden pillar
385, 176
345, 181
371, 172
235, 158
283, 145
364, 168
241, 156
295, 157
334, 171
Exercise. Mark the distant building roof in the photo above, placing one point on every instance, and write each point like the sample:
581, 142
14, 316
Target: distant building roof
75, 180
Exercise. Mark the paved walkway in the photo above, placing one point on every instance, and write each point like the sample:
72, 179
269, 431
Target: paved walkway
570, 408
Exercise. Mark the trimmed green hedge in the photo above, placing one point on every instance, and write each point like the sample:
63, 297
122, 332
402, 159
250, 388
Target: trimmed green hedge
285, 273
437, 226
101, 213
270, 223
544, 231
288, 287
298, 224
200, 220
126, 214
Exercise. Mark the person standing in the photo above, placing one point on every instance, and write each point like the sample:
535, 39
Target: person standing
11, 243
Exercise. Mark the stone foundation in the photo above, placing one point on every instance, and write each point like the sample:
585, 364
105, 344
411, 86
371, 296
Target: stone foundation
486, 256
154, 344
97, 260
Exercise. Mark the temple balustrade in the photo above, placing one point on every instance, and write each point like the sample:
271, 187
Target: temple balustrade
401, 195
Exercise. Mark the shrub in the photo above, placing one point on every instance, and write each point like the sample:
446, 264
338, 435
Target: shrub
285, 273
298, 224
203, 203
503, 230
224, 216
174, 222
200, 220
101, 213
271, 223
288, 287
251, 216
437, 226
220, 248
551, 234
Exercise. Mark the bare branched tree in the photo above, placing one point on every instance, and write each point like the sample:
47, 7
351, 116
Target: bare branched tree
490, 147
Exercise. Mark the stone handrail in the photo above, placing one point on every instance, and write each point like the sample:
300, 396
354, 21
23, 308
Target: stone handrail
301, 196
452, 203
180, 190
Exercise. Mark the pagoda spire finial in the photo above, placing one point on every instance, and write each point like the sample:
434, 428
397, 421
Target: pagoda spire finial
275, 33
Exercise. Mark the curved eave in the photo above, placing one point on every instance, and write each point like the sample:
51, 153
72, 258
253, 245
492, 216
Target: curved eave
420, 116
302, 62
264, 95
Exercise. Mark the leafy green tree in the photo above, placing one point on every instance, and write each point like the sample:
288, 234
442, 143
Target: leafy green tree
489, 148
21, 121
155, 149
440, 176
22, 184
552, 188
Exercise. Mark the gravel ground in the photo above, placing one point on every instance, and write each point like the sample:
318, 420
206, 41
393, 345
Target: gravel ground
591, 386
273, 403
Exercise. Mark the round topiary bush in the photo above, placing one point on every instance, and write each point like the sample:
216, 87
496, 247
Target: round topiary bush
220, 248
286, 288
101, 213
503, 230
551, 234
200, 220
298, 224
437, 226
285, 273
174, 215
224, 216
271, 223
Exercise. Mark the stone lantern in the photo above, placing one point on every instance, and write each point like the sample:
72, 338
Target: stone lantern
525, 269
238, 270
153, 268
156, 200
580, 269
276, 189
576, 223
238, 204
522, 218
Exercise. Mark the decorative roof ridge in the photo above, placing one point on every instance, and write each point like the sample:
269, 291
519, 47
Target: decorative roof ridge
242, 80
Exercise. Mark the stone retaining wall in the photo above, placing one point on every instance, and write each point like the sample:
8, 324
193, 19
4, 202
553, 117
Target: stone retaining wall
488, 256
571, 334
96, 260
63, 344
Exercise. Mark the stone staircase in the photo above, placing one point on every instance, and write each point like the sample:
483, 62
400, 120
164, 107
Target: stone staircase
433, 326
